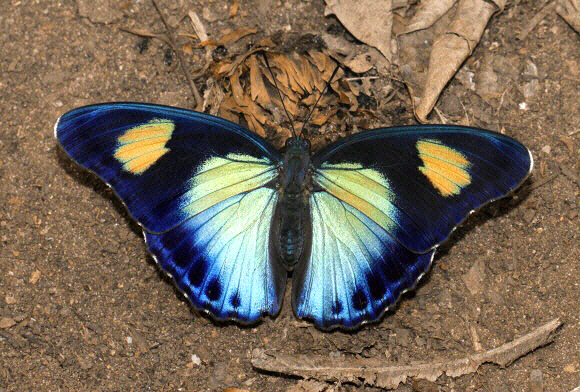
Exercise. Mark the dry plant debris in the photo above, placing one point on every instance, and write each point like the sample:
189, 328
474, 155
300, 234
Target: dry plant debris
300, 78
375, 373
431, 47
370, 21
251, 91
570, 11
450, 48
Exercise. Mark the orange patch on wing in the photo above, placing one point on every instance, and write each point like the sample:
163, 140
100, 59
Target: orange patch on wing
142, 146
445, 167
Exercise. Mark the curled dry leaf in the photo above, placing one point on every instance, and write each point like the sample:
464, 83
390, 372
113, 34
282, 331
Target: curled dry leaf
231, 37
570, 11
428, 13
449, 51
373, 371
370, 21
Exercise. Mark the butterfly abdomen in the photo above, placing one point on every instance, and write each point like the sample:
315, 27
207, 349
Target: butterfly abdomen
290, 230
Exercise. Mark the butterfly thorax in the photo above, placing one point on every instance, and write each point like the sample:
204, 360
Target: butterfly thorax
291, 222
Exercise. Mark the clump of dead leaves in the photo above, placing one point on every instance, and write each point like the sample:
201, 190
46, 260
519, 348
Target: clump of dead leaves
245, 89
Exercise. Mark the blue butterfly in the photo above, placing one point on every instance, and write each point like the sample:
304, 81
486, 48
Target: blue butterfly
227, 215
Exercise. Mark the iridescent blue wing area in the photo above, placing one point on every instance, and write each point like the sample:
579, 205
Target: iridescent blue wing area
383, 200
201, 188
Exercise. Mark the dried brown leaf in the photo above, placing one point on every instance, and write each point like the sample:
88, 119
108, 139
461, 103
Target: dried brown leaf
258, 90
225, 67
255, 125
290, 69
306, 74
354, 87
319, 118
317, 67
375, 372
234, 8
370, 21
452, 48
255, 110
228, 109
428, 13
360, 63
237, 90
319, 59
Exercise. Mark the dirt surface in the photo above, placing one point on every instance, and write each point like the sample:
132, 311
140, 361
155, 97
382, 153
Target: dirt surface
84, 307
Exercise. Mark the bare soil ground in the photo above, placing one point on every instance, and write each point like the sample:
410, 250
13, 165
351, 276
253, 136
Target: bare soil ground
84, 307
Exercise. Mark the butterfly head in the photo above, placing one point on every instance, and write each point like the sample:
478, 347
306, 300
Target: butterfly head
297, 144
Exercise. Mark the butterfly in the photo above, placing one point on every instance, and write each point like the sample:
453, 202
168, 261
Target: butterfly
227, 215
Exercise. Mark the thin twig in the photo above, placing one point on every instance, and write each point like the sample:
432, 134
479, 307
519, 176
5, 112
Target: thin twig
536, 19
570, 174
194, 91
374, 372
541, 182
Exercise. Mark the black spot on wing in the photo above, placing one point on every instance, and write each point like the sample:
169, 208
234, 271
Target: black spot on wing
197, 272
182, 255
213, 290
359, 300
337, 307
235, 300
377, 285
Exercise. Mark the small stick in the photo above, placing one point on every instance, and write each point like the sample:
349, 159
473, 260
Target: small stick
541, 182
570, 174
374, 372
536, 19
196, 96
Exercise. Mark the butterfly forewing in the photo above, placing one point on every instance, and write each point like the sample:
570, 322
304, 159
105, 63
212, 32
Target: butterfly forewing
149, 154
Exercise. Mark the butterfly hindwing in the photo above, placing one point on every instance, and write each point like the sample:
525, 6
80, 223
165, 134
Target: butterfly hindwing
382, 201
356, 269
201, 188
221, 260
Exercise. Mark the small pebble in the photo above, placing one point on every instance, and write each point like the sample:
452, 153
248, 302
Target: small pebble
570, 368
7, 322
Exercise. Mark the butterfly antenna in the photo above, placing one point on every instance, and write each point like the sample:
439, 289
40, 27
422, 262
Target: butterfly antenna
319, 97
279, 93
